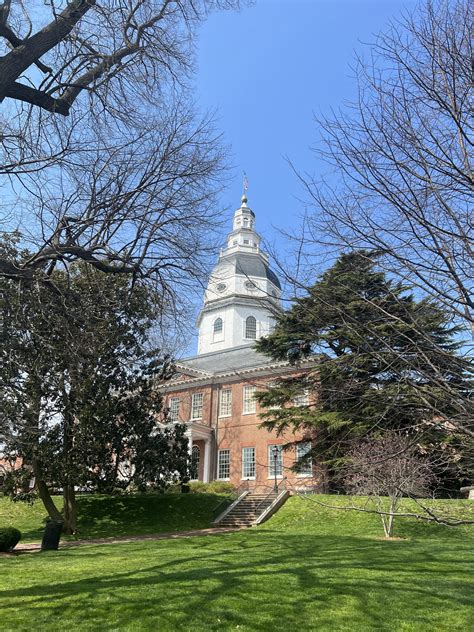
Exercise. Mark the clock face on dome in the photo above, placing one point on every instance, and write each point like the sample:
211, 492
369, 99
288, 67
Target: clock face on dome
220, 287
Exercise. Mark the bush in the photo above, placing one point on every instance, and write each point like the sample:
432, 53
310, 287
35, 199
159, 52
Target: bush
9, 538
215, 487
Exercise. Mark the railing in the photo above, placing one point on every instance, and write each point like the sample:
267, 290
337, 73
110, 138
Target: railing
219, 510
275, 492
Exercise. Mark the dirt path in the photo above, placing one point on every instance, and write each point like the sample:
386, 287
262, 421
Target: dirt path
33, 547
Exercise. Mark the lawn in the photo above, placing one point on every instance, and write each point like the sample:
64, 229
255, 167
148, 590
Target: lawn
108, 516
308, 568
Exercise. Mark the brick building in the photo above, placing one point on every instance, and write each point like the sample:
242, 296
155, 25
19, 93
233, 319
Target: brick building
213, 392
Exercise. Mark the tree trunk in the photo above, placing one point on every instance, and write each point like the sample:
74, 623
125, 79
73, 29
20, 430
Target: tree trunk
70, 511
43, 492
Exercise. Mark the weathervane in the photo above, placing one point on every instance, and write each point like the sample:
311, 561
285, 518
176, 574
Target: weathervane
245, 186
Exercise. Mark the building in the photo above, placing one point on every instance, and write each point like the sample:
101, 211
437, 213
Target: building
214, 391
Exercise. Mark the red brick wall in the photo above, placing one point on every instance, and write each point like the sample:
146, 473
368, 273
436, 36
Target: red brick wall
241, 430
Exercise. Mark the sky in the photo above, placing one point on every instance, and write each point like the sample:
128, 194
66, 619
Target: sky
267, 71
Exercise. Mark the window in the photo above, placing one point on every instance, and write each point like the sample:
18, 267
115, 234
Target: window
195, 456
246, 241
302, 399
223, 464
271, 386
251, 328
275, 465
225, 402
306, 468
249, 403
248, 462
196, 406
218, 329
174, 409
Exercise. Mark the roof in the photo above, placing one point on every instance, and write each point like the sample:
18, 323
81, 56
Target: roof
252, 265
228, 360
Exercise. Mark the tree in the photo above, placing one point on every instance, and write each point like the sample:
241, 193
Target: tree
383, 361
402, 158
103, 157
387, 469
77, 381
87, 45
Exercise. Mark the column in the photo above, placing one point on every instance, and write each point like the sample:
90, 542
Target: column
207, 454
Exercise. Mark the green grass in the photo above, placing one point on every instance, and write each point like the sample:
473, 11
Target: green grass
308, 568
109, 516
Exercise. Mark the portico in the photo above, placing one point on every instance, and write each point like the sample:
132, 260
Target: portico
200, 440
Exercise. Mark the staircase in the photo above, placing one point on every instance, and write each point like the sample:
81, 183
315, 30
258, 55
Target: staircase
250, 509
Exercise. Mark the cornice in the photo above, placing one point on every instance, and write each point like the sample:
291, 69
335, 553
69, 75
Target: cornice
238, 374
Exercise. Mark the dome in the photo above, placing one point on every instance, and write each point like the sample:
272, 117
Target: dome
254, 266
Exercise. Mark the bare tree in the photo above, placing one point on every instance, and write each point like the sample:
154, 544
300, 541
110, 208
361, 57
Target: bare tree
387, 469
127, 181
402, 156
54, 51
145, 207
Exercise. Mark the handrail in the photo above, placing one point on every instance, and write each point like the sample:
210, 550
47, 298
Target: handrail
272, 507
267, 497
228, 509
233, 495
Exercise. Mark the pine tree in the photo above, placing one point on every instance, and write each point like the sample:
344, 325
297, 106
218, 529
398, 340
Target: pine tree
384, 360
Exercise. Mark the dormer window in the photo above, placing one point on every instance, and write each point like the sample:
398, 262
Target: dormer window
251, 328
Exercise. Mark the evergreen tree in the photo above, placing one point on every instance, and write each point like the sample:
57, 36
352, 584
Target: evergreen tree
383, 360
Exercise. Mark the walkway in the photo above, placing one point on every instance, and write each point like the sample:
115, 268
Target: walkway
33, 547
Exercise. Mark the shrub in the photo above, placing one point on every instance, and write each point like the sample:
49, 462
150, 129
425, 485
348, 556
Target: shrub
215, 487
9, 538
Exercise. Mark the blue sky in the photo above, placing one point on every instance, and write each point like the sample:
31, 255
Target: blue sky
267, 70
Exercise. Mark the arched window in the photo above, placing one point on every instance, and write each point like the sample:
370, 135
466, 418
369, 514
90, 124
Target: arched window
218, 326
251, 328
195, 456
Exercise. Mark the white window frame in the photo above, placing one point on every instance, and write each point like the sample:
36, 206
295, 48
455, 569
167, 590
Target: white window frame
246, 331
225, 403
246, 462
195, 406
225, 452
174, 402
271, 461
302, 399
303, 448
270, 386
249, 403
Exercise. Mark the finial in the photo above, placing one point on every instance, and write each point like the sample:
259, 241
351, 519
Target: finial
245, 186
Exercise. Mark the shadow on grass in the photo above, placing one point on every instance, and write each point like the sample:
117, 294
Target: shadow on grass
259, 580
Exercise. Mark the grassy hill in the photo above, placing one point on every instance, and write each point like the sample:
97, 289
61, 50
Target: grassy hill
101, 516
308, 568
